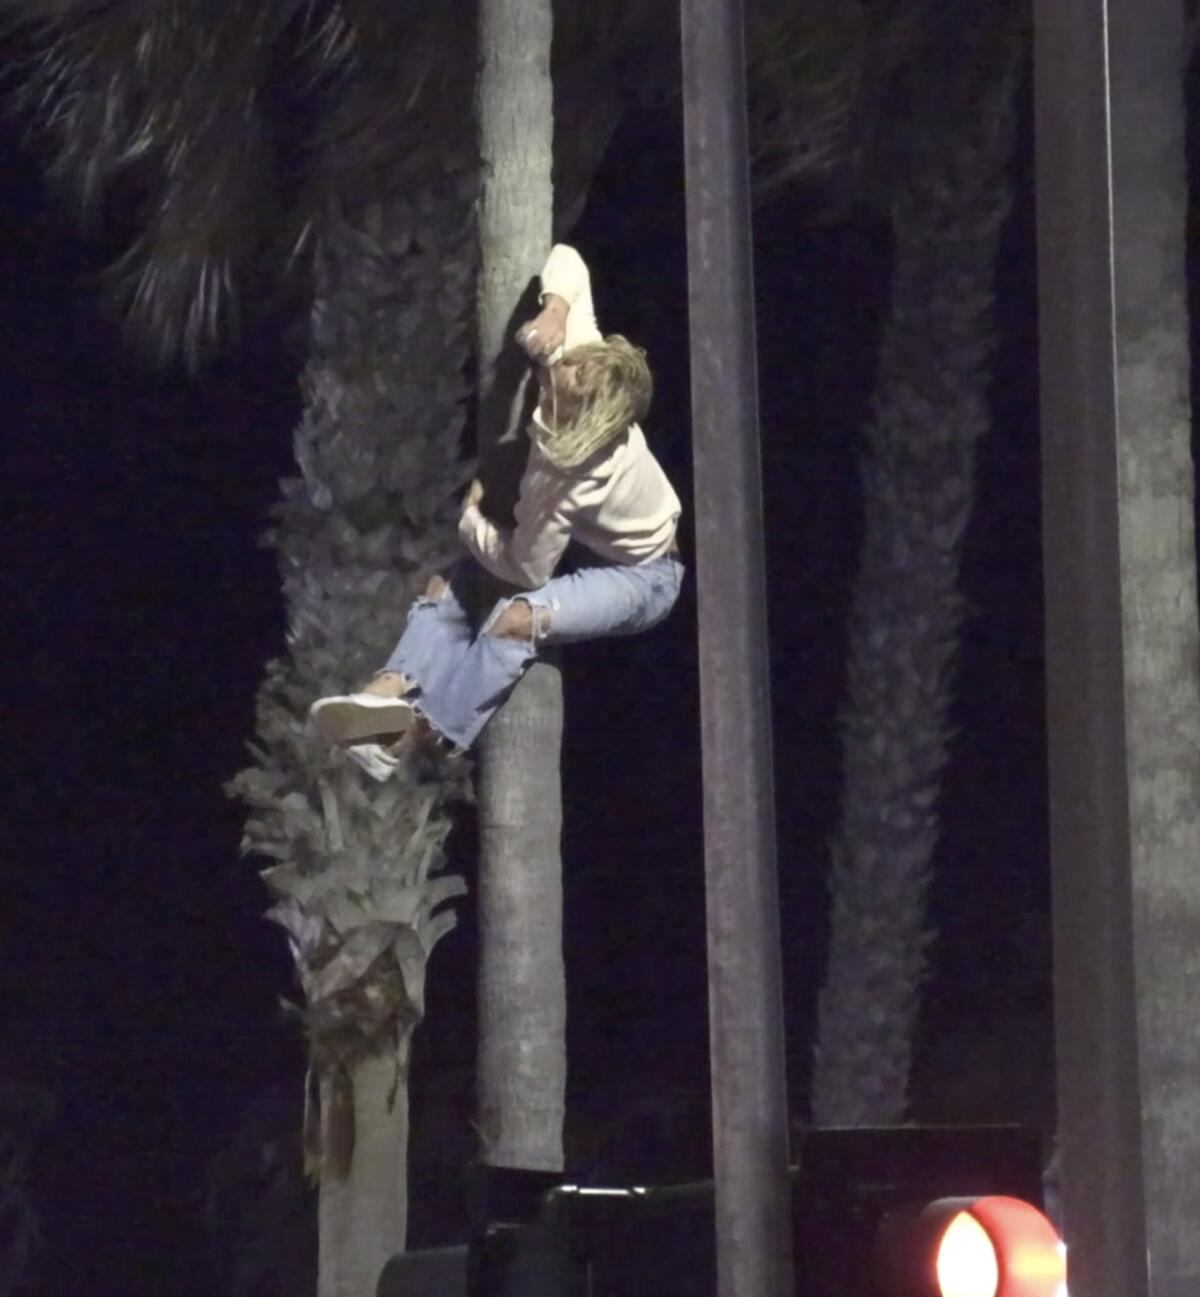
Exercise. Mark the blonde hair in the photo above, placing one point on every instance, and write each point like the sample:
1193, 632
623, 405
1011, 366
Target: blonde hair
615, 391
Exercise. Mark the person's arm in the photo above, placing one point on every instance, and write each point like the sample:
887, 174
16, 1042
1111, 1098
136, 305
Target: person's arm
528, 554
565, 275
568, 315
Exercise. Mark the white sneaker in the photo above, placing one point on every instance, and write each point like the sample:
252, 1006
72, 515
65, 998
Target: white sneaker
375, 759
346, 717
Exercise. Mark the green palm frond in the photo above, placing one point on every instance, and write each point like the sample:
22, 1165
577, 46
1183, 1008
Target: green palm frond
971, 50
168, 94
402, 102
232, 125
807, 67
823, 81
604, 57
113, 82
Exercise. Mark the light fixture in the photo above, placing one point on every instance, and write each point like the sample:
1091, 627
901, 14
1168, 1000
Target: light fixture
991, 1246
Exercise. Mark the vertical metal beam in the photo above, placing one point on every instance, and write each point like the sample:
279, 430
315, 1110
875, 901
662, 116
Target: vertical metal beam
1121, 639
745, 992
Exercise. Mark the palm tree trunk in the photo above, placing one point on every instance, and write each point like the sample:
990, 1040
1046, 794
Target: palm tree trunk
521, 1075
918, 475
371, 516
362, 1219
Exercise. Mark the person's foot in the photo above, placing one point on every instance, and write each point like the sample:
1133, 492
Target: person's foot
384, 757
378, 761
347, 718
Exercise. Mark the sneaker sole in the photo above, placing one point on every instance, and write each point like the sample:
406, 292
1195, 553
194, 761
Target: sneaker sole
361, 716
377, 762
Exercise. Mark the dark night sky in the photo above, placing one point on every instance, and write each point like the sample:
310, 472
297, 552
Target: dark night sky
138, 612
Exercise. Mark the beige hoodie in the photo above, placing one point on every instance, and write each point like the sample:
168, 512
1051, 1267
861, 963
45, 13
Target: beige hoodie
619, 504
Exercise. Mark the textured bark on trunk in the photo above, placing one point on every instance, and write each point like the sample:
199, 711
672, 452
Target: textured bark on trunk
362, 1219
521, 1078
522, 1002
372, 514
918, 474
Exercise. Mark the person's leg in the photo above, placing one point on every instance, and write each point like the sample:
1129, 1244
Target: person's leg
588, 604
437, 633
464, 697
458, 691
393, 683
606, 601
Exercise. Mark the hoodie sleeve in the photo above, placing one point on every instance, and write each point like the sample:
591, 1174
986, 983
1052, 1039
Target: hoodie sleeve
566, 275
528, 554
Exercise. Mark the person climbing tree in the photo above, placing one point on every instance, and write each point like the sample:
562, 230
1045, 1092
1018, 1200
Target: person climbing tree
591, 478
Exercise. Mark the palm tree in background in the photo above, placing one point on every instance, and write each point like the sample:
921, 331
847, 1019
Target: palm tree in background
944, 162
380, 217
189, 107
905, 110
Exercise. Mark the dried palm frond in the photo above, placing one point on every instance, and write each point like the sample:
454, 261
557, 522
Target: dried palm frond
360, 945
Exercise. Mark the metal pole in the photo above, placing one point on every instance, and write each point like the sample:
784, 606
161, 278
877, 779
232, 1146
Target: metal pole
1121, 639
745, 994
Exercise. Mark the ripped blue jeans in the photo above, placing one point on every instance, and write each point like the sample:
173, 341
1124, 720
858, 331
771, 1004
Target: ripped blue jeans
462, 673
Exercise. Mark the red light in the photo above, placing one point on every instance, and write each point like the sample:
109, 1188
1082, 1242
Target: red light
970, 1247
966, 1264
1033, 1262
